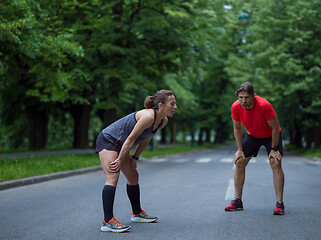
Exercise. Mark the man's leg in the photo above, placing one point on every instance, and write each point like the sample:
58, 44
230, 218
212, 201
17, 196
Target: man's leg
239, 179
278, 178
239, 176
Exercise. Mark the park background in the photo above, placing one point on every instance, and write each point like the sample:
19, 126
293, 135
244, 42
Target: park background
69, 68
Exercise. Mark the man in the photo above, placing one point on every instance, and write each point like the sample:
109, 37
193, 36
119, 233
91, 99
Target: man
263, 129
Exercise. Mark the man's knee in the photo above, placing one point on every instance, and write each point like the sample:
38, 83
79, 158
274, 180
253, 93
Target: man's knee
275, 164
242, 163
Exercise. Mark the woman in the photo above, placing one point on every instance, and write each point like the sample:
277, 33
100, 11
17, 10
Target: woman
114, 144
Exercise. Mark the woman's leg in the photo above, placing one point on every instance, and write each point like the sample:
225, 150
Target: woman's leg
133, 191
132, 176
109, 190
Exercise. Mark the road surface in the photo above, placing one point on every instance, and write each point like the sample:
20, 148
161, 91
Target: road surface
188, 192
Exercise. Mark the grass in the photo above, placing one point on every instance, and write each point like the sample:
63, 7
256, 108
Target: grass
34, 166
11, 169
172, 150
306, 152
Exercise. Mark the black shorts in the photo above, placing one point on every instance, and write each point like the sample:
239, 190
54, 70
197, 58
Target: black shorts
251, 145
102, 143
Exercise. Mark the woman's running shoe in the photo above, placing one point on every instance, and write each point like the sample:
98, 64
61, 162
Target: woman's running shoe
114, 226
143, 217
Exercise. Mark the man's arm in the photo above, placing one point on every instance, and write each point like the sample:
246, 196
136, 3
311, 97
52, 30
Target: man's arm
274, 123
238, 134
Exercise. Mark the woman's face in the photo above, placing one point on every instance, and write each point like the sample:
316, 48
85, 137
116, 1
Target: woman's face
170, 106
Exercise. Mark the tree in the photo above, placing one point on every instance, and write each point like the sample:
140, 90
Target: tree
285, 56
34, 49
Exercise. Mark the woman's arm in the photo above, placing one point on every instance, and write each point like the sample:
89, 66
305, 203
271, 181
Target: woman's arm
142, 146
145, 121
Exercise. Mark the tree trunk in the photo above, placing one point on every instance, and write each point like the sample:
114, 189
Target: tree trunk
37, 117
316, 137
107, 116
200, 137
309, 138
296, 136
313, 137
163, 136
174, 132
81, 116
221, 134
208, 135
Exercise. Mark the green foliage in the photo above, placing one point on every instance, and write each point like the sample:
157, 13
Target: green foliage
282, 60
110, 55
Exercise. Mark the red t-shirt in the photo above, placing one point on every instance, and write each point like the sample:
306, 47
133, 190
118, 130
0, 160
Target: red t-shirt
255, 119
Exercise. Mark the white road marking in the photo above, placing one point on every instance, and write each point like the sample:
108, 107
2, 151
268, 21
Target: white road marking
227, 160
230, 160
203, 160
157, 160
230, 190
181, 160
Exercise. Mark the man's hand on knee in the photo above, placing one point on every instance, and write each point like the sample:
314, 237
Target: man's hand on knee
239, 156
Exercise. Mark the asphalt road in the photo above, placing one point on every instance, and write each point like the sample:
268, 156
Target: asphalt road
188, 193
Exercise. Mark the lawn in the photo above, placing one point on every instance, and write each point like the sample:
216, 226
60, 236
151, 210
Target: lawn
11, 169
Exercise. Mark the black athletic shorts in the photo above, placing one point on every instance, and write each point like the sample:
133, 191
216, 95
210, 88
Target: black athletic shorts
251, 145
102, 143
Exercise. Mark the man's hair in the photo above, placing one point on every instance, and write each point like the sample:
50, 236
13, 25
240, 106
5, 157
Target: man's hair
246, 87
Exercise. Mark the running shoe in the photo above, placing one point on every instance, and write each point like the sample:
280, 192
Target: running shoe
114, 226
236, 205
279, 210
143, 217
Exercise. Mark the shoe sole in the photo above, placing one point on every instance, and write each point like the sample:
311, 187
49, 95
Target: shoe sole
107, 229
142, 220
234, 210
276, 213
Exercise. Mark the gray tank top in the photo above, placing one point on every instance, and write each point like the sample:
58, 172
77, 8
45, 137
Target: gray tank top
118, 131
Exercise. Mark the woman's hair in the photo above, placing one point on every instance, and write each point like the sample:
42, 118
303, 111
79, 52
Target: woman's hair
160, 97
247, 87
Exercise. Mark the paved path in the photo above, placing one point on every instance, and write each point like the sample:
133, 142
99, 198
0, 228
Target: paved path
188, 192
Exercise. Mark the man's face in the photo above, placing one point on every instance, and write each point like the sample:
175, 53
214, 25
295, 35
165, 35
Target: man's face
246, 100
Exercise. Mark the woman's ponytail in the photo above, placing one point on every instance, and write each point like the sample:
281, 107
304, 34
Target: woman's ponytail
160, 97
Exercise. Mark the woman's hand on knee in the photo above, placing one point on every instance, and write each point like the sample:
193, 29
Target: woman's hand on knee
114, 166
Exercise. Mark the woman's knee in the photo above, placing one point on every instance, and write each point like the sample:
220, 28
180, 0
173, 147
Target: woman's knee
112, 178
132, 177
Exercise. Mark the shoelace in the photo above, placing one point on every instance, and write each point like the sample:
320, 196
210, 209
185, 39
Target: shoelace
142, 212
235, 202
115, 221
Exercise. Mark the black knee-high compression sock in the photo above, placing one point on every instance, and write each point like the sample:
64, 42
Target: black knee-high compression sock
108, 201
134, 197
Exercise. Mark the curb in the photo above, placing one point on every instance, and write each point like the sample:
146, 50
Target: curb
31, 180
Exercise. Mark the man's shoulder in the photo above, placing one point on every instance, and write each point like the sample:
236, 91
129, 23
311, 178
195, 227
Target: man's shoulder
261, 101
236, 104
